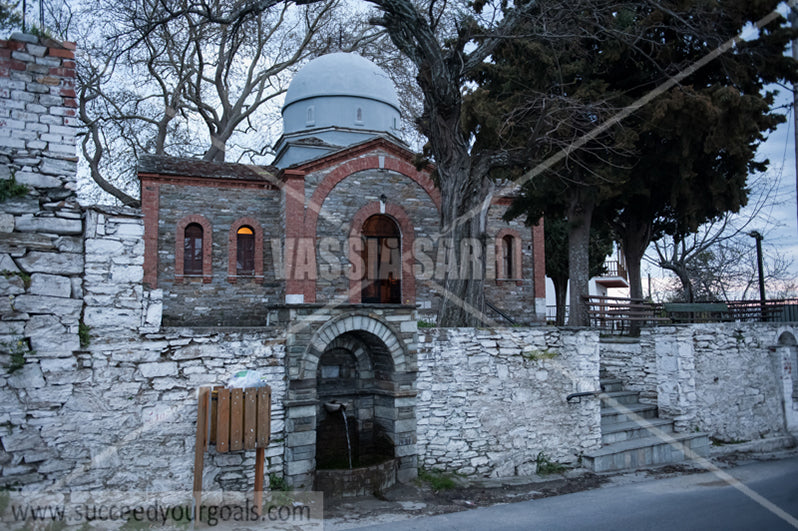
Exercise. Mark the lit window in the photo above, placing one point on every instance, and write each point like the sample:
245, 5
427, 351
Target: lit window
245, 251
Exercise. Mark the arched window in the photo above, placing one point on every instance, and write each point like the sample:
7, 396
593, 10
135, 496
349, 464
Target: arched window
508, 255
192, 249
310, 119
245, 251
382, 252
359, 116
508, 258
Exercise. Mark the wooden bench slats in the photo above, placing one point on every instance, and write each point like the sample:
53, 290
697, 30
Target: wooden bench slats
264, 416
250, 417
223, 421
236, 419
697, 307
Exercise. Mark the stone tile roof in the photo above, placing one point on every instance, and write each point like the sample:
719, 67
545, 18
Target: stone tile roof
186, 167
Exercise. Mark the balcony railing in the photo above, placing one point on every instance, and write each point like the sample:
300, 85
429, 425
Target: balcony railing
615, 269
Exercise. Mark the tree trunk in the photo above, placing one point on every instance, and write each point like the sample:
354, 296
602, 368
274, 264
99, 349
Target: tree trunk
463, 208
561, 298
635, 239
579, 213
684, 278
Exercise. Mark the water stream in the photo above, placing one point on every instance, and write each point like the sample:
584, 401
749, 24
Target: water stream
348, 444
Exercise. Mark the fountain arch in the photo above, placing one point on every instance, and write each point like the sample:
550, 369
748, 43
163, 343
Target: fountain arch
361, 366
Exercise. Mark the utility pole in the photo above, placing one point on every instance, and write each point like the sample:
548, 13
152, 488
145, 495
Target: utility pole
760, 266
794, 22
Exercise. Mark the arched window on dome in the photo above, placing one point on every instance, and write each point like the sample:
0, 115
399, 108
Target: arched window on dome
311, 115
359, 116
382, 256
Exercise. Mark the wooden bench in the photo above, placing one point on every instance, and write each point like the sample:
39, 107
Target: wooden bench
696, 312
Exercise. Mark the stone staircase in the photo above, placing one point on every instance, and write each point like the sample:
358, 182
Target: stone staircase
632, 435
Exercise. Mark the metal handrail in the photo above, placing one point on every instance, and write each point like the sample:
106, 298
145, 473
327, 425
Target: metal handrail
504, 315
581, 394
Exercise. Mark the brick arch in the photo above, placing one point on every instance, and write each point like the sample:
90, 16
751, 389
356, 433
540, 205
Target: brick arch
232, 248
368, 325
501, 274
401, 218
207, 246
786, 337
343, 171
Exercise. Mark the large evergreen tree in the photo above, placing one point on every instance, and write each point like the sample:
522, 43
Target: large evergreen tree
679, 160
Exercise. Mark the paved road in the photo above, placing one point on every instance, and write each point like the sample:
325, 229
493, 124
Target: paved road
701, 501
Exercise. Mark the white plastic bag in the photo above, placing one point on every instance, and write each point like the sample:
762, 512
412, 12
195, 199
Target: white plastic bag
245, 379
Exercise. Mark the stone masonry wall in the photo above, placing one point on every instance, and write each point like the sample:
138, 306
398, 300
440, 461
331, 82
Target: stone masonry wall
148, 376
339, 210
120, 411
41, 253
722, 378
490, 400
737, 381
218, 302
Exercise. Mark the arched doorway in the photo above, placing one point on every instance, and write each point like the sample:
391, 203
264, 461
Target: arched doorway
382, 258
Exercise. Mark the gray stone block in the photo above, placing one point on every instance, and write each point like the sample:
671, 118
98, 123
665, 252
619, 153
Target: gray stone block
56, 263
28, 377
36, 180
50, 285
40, 304
154, 370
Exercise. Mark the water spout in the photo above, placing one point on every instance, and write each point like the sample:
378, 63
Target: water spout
334, 406
346, 430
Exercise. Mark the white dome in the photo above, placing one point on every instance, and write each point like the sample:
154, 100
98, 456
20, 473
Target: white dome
342, 74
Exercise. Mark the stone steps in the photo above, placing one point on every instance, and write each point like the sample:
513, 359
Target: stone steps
633, 436
623, 431
627, 413
647, 451
622, 397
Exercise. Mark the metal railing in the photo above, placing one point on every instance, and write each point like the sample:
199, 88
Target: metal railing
618, 315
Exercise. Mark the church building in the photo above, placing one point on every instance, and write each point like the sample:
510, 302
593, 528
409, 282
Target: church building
336, 247
342, 215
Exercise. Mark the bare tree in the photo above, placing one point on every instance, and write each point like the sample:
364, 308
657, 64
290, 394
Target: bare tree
728, 270
185, 78
718, 262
